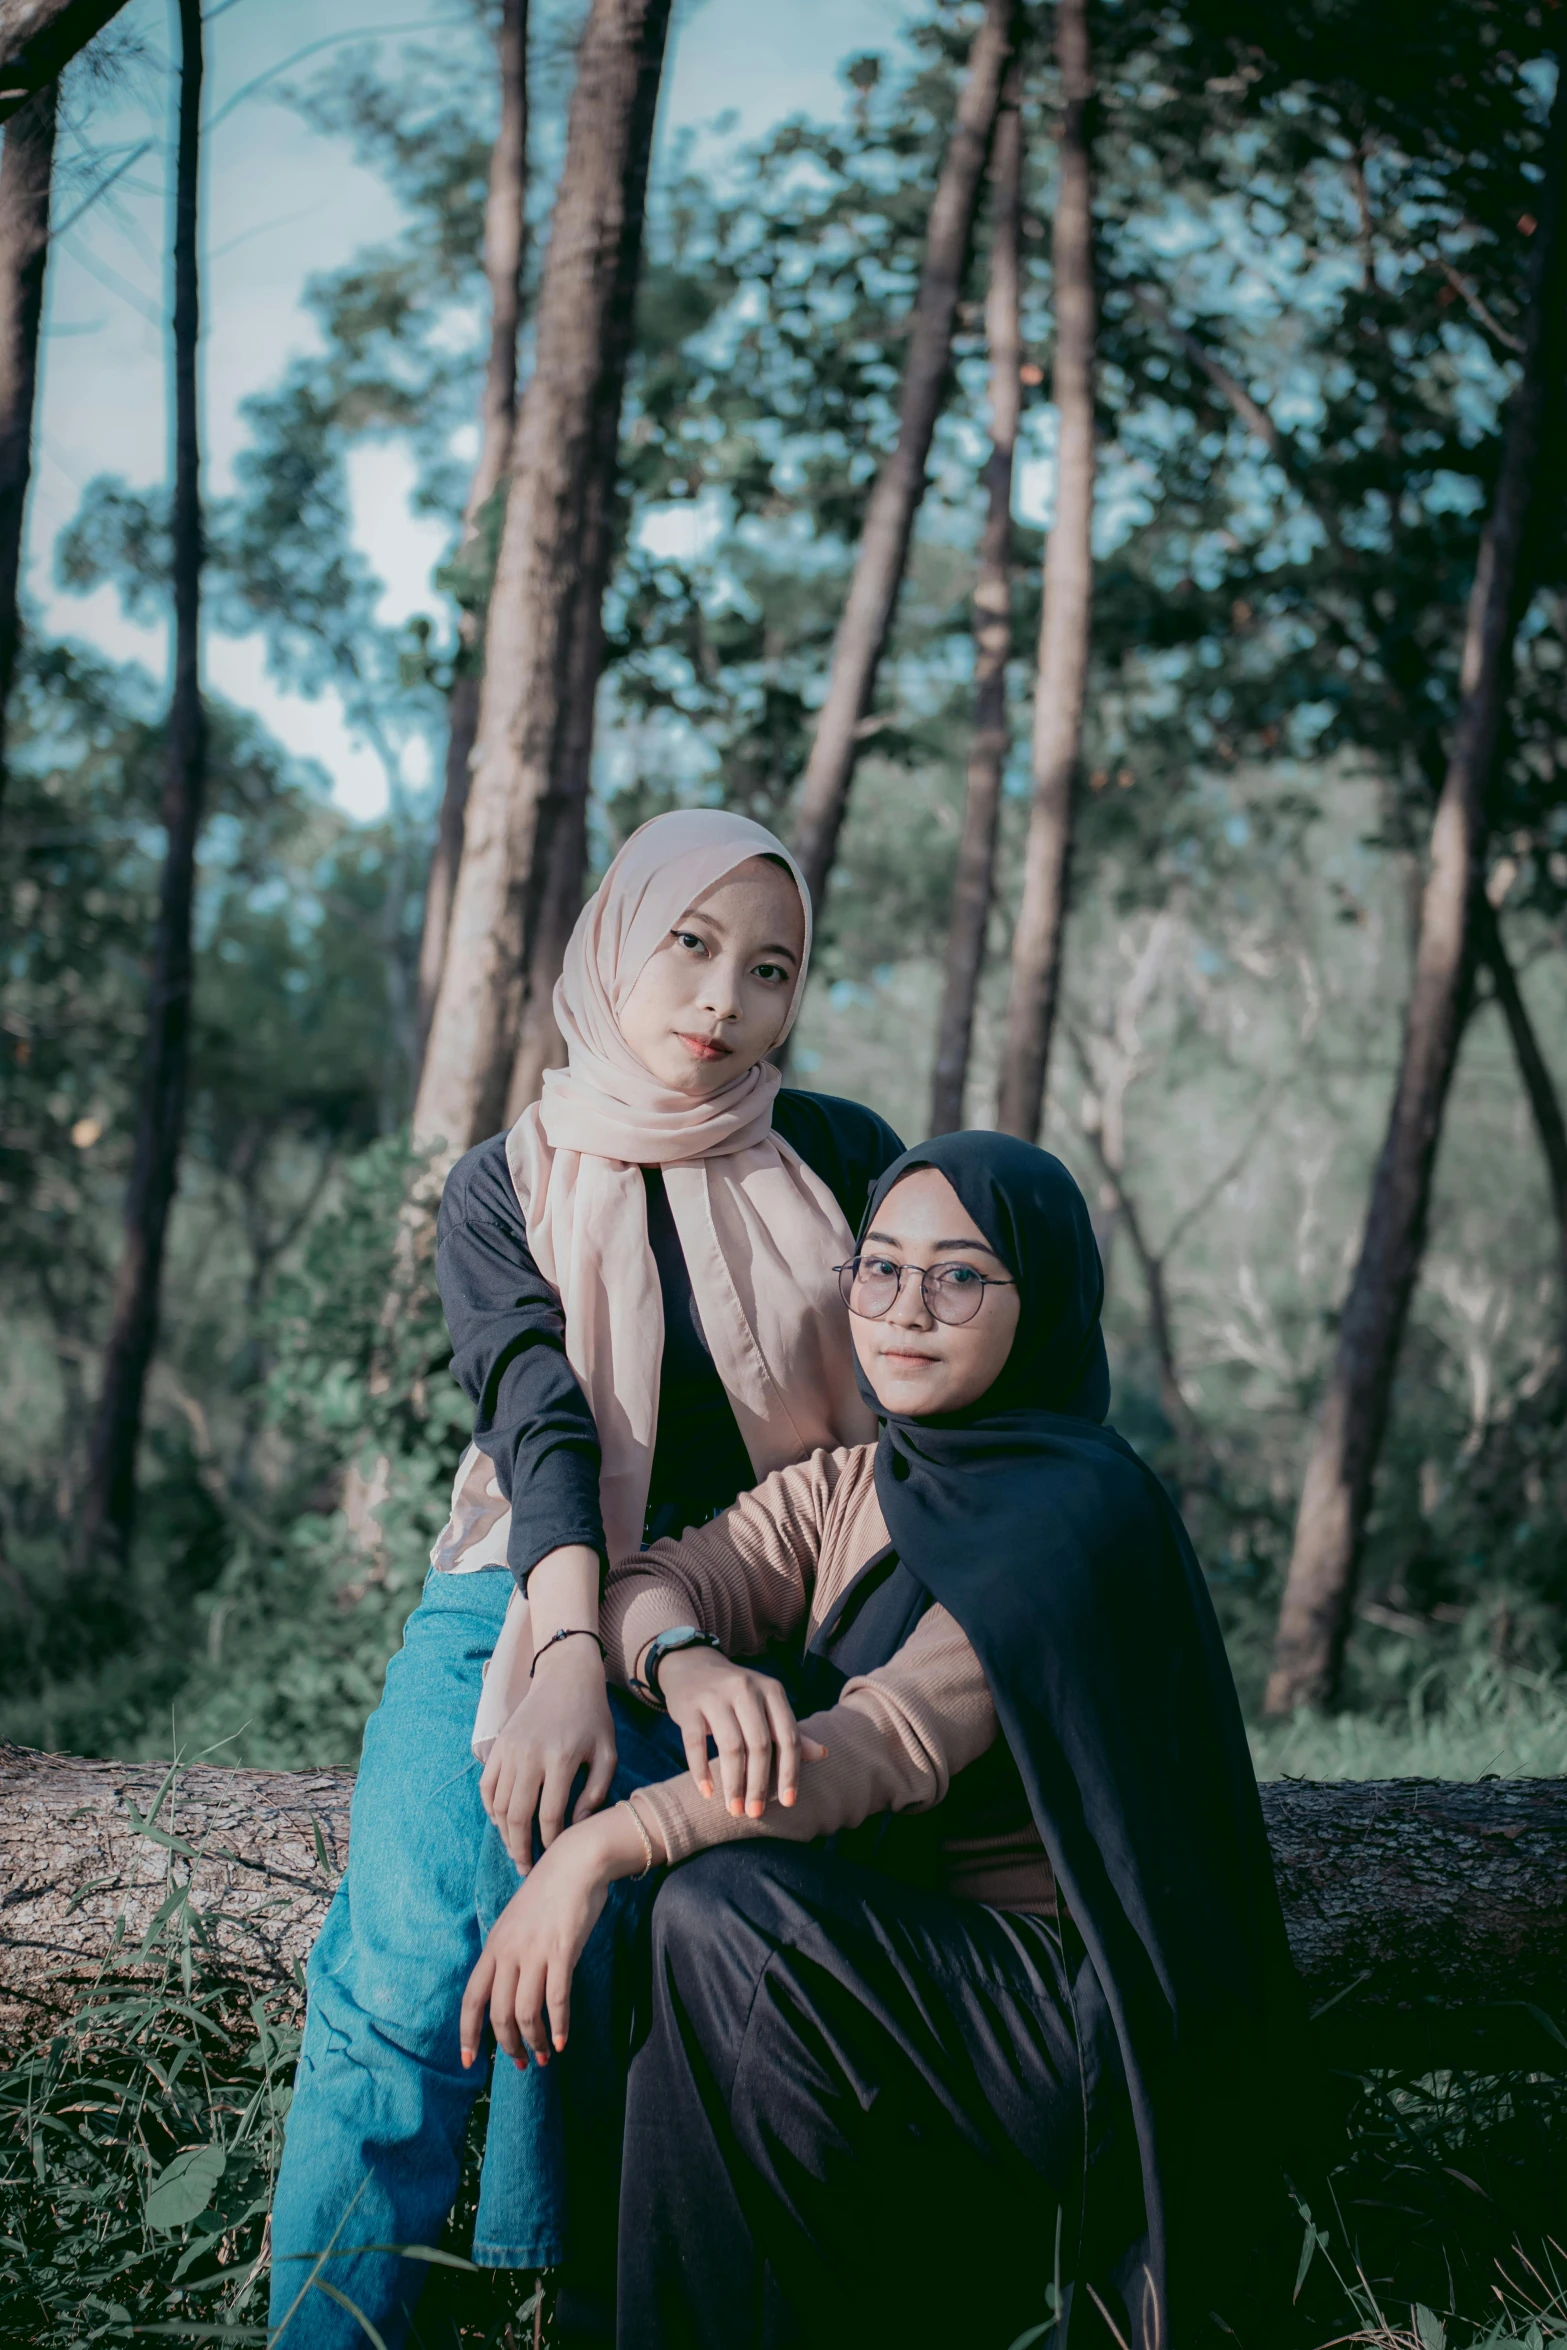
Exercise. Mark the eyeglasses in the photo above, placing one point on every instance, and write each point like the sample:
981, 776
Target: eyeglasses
869, 1287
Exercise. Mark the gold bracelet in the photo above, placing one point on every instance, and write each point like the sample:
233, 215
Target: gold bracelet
647, 1843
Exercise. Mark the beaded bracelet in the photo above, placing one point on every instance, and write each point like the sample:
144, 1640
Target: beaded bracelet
567, 1632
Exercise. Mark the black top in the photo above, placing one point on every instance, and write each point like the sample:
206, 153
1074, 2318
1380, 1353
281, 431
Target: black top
1065, 1563
508, 1341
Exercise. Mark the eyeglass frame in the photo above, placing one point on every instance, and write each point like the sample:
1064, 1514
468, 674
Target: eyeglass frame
851, 1266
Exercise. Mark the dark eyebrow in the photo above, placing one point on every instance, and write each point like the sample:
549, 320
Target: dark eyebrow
888, 1241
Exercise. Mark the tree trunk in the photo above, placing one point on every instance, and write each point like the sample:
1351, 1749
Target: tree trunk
505, 253
38, 39
25, 174
1336, 1495
109, 1508
972, 882
539, 1045
1538, 1083
1064, 619
1533, 1068
585, 324
1161, 1326
889, 518
1408, 1903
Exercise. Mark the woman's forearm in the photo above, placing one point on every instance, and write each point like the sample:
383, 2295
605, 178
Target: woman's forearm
622, 1841
563, 1594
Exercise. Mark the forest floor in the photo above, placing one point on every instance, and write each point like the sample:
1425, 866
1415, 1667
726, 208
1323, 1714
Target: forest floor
139, 2145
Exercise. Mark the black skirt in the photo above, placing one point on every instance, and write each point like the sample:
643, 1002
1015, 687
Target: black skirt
865, 2112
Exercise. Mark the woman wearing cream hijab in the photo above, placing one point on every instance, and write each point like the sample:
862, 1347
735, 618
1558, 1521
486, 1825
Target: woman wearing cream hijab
639, 1282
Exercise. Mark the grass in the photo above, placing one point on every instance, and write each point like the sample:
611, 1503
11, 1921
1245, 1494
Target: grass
138, 2151
1460, 1720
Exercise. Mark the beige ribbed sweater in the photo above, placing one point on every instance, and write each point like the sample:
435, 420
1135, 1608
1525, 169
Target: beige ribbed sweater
777, 1562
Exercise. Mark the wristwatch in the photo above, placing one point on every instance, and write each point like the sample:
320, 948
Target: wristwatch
665, 1644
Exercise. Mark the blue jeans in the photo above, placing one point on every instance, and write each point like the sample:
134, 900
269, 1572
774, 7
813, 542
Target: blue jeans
381, 2102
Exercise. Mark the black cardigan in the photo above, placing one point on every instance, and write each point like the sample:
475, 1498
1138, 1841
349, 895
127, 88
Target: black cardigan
508, 1341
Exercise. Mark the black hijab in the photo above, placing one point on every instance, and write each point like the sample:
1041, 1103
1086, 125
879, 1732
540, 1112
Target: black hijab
1066, 1564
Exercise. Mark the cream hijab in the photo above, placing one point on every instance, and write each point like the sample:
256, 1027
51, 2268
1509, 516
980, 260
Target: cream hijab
760, 1231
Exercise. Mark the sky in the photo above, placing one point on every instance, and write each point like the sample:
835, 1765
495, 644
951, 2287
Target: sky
281, 202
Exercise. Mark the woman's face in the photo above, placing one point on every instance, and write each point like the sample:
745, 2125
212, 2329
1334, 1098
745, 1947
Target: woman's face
917, 1365
712, 998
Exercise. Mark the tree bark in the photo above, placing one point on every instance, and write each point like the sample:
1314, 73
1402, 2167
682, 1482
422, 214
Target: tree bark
109, 1507
1336, 1495
505, 255
1410, 1904
1065, 618
973, 880
38, 39
539, 1044
585, 325
883, 551
26, 171
1533, 1068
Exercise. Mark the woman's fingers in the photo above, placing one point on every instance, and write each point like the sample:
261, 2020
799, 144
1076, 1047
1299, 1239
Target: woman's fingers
601, 1773
758, 1733
786, 1737
470, 2027
694, 1738
521, 1803
558, 1997
559, 1772
503, 2011
495, 1782
812, 1748
732, 1757
528, 2007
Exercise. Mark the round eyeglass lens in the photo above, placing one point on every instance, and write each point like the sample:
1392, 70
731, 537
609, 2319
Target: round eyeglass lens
869, 1285
954, 1293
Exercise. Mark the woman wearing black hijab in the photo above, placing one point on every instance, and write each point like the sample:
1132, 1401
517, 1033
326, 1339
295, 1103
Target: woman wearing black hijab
1021, 2037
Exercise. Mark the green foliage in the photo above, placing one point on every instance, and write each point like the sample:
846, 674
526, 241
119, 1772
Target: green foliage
312, 1600
139, 2147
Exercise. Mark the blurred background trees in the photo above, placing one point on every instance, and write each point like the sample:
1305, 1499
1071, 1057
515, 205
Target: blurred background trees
1089, 439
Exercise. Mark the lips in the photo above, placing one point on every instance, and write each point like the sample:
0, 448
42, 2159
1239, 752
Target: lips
704, 1048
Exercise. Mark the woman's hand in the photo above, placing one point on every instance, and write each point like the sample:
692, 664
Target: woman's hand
750, 1721
525, 1969
562, 1726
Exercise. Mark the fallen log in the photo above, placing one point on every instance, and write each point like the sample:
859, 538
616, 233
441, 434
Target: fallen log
1428, 1921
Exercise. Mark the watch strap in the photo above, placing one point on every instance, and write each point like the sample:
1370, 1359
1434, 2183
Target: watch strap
670, 1643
